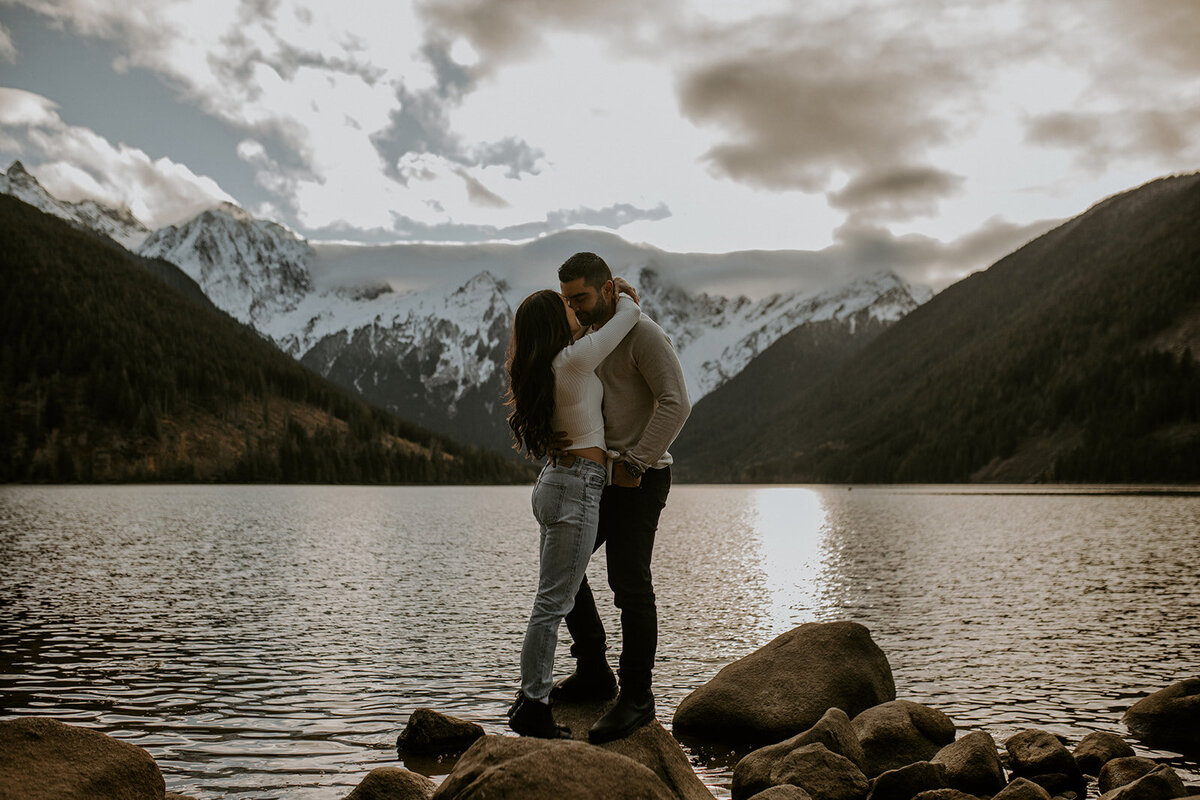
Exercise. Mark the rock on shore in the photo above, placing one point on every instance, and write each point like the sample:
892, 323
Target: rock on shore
43, 759
1169, 718
786, 686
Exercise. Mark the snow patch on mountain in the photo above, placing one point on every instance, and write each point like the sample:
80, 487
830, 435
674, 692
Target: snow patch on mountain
118, 224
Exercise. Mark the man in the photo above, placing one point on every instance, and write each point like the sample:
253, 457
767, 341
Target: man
645, 406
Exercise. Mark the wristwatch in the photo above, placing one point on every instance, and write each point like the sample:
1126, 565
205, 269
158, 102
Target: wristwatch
633, 469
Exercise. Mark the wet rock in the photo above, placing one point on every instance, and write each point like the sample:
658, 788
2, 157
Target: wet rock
945, 794
393, 783
1097, 749
823, 774
1121, 771
650, 745
547, 769
43, 759
973, 764
786, 686
785, 792
1059, 784
1169, 718
1161, 784
1022, 789
1041, 756
431, 733
753, 773
900, 732
909, 781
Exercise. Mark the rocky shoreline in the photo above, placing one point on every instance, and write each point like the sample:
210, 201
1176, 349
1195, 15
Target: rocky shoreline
819, 704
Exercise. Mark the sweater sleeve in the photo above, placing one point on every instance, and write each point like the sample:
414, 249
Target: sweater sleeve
586, 352
656, 360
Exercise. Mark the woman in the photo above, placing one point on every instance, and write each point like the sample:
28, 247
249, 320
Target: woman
553, 387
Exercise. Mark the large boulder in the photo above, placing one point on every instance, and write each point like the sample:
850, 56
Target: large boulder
431, 733
973, 764
753, 773
650, 745
909, 781
1120, 771
393, 783
823, 774
1097, 749
547, 769
1041, 757
785, 792
899, 733
43, 759
1161, 784
1169, 718
785, 686
945, 794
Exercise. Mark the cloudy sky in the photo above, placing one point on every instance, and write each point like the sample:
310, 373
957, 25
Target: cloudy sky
932, 135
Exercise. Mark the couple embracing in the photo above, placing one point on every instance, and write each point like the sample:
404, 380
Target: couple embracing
595, 387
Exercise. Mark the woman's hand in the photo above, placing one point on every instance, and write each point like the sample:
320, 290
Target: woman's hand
625, 287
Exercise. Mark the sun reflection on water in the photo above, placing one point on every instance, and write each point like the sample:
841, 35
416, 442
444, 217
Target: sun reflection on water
791, 529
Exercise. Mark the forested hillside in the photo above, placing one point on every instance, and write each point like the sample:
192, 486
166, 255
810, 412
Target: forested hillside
107, 373
1072, 359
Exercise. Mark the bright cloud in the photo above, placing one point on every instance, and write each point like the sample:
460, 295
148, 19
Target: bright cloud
74, 163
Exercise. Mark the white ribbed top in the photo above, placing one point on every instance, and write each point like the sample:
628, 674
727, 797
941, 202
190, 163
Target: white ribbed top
578, 393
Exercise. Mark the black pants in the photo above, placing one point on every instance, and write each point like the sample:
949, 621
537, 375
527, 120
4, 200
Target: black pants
628, 521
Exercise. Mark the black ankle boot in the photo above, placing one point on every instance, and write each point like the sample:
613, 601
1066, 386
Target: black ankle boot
632, 710
531, 718
593, 680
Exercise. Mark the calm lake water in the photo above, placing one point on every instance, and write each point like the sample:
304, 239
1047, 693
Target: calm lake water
270, 642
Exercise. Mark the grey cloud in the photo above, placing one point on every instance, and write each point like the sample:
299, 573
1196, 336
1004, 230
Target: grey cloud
799, 102
897, 194
612, 217
1098, 138
513, 153
479, 194
923, 259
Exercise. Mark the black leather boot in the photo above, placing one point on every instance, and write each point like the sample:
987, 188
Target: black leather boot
593, 680
632, 710
531, 718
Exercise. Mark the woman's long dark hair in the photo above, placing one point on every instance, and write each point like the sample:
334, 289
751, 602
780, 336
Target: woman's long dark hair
540, 331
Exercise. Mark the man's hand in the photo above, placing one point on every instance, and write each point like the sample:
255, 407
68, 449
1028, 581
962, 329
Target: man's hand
625, 287
621, 477
558, 447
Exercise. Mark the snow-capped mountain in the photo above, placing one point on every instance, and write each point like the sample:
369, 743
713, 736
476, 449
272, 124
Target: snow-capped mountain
436, 355
252, 269
118, 224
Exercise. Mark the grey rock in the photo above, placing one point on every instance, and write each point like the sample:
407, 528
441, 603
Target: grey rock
909, 781
1022, 789
1168, 718
900, 732
393, 783
823, 774
43, 759
753, 773
787, 685
650, 745
1161, 784
973, 764
1121, 771
785, 792
431, 733
547, 769
1097, 749
1038, 754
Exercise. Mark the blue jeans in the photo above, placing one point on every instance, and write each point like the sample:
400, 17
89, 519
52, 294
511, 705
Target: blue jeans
566, 504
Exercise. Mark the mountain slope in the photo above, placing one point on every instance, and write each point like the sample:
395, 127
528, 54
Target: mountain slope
107, 373
1070, 359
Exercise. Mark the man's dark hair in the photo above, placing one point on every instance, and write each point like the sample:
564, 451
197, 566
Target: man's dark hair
588, 266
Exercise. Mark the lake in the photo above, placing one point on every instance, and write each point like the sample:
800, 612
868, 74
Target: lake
270, 642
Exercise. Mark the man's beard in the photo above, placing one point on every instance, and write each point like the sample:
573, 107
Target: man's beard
599, 312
